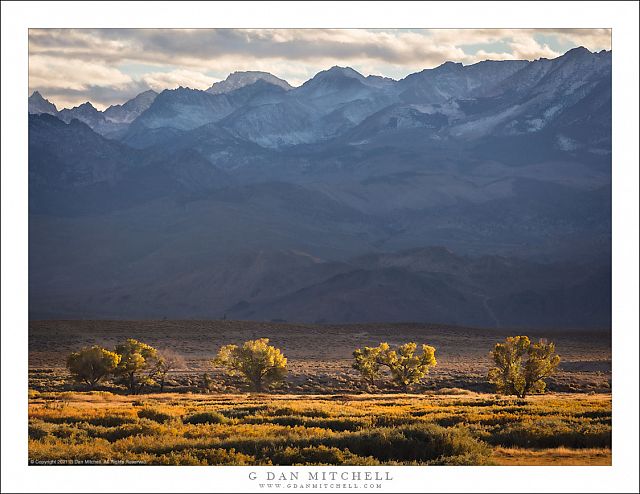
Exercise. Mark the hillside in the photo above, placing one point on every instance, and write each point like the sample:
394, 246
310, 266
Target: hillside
475, 195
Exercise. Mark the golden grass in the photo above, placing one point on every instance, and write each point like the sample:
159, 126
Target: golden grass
240, 429
552, 457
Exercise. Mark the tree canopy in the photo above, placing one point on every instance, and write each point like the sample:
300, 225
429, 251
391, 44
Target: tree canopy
138, 364
92, 364
521, 366
406, 367
256, 361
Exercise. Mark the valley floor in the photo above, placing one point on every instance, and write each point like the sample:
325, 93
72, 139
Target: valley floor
323, 414
319, 356
338, 429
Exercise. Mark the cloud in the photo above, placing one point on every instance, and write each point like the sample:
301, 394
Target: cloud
91, 63
100, 96
180, 77
72, 73
594, 39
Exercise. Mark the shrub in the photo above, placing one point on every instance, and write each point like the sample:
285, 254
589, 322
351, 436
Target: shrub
467, 459
205, 418
208, 456
309, 412
105, 395
112, 434
422, 442
61, 449
334, 424
111, 420
219, 456
206, 383
317, 455
38, 430
552, 434
154, 414
184, 457
242, 411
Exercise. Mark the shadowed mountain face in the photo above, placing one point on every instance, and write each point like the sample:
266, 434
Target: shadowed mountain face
39, 105
475, 195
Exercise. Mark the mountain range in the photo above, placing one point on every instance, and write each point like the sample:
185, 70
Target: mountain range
477, 195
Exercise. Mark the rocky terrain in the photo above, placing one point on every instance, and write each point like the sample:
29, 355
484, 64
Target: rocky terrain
475, 195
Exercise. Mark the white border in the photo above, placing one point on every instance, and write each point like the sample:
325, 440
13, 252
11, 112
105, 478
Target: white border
17, 17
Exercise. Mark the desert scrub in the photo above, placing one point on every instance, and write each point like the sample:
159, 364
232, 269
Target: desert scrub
552, 434
264, 430
334, 424
205, 418
51, 449
38, 429
242, 412
318, 455
112, 434
155, 415
209, 456
96, 416
424, 442
291, 411
393, 420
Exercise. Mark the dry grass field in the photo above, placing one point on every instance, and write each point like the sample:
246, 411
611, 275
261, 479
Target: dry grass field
323, 414
248, 429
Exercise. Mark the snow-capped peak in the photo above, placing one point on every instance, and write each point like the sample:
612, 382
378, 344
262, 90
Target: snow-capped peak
236, 80
38, 104
337, 71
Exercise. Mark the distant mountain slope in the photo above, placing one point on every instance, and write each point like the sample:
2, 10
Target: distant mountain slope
73, 170
71, 155
38, 105
326, 201
455, 81
184, 109
236, 80
113, 121
132, 109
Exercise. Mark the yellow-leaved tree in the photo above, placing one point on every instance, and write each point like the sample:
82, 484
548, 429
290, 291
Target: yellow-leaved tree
521, 366
138, 364
406, 367
92, 364
256, 361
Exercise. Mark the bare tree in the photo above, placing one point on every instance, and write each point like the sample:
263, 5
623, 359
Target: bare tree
168, 361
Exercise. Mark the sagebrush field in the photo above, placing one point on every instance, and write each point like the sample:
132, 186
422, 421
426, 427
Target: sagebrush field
186, 429
323, 413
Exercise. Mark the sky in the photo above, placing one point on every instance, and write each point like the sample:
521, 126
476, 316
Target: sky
110, 66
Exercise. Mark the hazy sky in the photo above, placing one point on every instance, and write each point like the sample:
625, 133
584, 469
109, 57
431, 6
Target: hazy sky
109, 66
